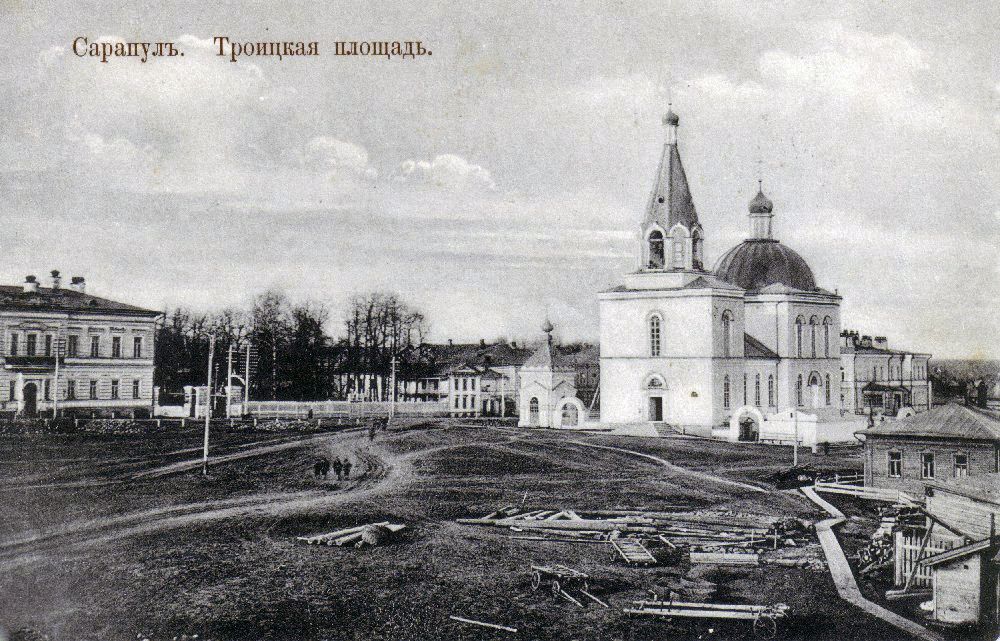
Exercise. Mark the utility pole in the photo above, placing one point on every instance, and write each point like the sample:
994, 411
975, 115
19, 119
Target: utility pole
208, 405
229, 380
246, 392
795, 443
392, 382
274, 367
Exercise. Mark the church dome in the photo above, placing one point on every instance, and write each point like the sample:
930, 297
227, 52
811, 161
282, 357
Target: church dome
756, 263
761, 204
671, 119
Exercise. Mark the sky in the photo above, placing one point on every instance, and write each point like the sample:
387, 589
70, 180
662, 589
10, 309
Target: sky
503, 178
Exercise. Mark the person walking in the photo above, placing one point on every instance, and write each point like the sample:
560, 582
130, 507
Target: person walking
338, 468
347, 468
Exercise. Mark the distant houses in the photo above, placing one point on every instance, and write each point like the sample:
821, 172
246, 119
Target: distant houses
878, 379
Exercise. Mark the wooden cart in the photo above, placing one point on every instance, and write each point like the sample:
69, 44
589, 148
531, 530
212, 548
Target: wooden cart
559, 576
765, 617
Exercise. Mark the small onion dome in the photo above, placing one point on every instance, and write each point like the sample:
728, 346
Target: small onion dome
671, 119
761, 204
547, 326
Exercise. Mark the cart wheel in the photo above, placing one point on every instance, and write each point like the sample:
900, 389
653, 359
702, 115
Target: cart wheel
536, 581
765, 627
556, 588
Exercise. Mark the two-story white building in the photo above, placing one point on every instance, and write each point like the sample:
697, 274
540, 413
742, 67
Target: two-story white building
880, 380
63, 348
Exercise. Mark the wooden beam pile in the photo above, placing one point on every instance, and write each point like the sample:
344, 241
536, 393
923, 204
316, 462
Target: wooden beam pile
368, 534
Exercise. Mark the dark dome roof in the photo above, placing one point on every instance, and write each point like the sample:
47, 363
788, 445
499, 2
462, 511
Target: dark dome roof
761, 204
671, 118
757, 263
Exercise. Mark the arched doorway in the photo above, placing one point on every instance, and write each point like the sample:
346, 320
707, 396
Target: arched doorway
815, 391
745, 424
30, 395
656, 392
533, 411
570, 415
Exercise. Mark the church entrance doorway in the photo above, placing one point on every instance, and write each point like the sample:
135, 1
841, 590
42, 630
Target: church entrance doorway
30, 394
749, 430
533, 411
656, 409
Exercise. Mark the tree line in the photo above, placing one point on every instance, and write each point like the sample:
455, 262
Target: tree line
292, 354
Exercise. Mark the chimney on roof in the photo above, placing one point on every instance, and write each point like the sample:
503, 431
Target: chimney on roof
78, 284
450, 342
30, 283
866, 341
56, 279
881, 342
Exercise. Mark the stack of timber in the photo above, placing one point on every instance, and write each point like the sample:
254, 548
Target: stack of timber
370, 534
632, 551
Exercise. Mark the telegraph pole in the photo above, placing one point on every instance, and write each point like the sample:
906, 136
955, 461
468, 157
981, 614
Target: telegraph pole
229, 380
795, 443
208, 405
392, 382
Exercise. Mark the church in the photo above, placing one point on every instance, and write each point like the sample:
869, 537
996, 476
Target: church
747, 351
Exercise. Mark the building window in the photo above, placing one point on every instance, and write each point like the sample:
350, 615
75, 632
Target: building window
727, 333
533, 412
798, 391
114, 389
472, 384
756, 390
744, 389
70, 390
135, 388
73, 346
961, 465
679, 253
93, 390
799, 324
770, 391
13, 344
926, 465
95, 346
116, 346
827, 325
456, 402
32, 344
827, 389
725, 392
137, 347
48, 390
48, 344
13, 390
813, 323
895, 465
655, 250
654, 335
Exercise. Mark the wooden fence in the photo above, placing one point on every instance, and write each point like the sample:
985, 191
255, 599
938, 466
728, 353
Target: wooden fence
340, 409
907, 554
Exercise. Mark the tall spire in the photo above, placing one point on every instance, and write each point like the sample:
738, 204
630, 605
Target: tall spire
671, 203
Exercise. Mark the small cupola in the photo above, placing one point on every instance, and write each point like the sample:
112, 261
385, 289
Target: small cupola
761, 209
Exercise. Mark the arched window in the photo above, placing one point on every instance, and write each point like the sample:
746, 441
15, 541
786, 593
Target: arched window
533, 411
698, 257
813, 322
827, 389
654, 335
827, 326
655, 250
756, 390
678, 254
770, 391
799, 324
727, 333
725, 392
798, 391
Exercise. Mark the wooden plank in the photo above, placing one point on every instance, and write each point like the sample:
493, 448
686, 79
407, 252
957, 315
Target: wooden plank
725, 558
495, 626
588, 594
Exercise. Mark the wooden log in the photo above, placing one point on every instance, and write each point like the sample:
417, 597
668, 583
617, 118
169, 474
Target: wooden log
556, 540
568, 596
588, 594
495, 626
725, 558
350, 538
582, 524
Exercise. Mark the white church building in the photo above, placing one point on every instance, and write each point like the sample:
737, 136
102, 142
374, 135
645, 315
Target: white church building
747, 351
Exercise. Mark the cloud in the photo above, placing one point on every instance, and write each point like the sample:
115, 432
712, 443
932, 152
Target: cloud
335, 157
447, 171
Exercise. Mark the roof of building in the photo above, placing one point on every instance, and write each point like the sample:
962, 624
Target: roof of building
670, 202
761, 204
960, 552
13, 297
753, 348
759, 262
982, 487
704, 281
950, 421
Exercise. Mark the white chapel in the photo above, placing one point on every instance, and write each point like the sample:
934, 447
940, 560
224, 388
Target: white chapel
741, 351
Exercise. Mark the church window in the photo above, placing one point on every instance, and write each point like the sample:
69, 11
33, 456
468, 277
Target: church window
727, 333
744, 389
799, 323
725, 392
756, 390
813, 322
533, 411
698, 248
798, 391
655, 250
827, 389
827, 326
678, 252
654, 335
770, 391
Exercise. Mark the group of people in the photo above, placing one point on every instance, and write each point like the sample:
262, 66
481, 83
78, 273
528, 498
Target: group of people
341, 468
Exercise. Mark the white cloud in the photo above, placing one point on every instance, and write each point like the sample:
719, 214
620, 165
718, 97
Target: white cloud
448, 172
336, 157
